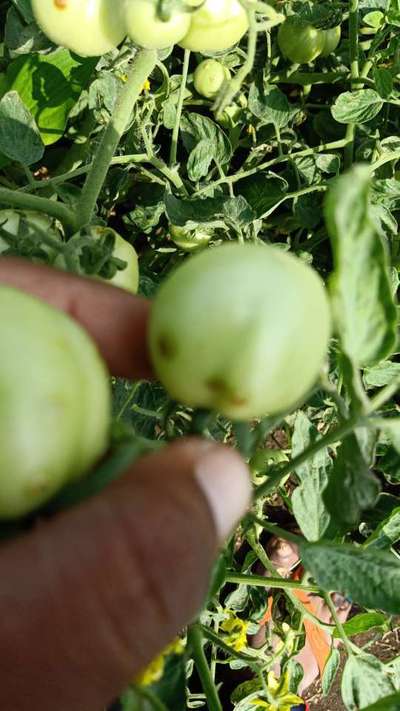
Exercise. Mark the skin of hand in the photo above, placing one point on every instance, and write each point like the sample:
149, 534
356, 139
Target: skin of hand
90, 597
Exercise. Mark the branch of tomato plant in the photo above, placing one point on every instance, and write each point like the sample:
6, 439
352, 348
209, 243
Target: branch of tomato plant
239, 175
304, 78
142, 66
195, 642
175, 134
14, 198
217, 641
343, 636
355, 73
231, 88
259, 581
82, 170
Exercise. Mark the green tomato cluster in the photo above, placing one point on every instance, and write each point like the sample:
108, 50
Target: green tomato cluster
241, 329
301, 42
94, 27
55, 403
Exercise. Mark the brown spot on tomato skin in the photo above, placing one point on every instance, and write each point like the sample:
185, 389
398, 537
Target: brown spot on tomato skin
222, 390
61, 4
167, 348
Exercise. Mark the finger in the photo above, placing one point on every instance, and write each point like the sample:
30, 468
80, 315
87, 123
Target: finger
115, 319
89, 598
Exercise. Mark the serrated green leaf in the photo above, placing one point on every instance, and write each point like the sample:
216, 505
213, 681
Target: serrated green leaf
351, 488
49, 85
368, 577
19, 136
365, 680
308, 506
330, 671
362, 623
364, 310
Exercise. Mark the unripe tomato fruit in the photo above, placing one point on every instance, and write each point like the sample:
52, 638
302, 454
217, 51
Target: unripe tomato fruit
216, 26
209, 76
127, 278
241, 329
299, 41
86, 27
332, 39
189, 240
149, 31
55, 402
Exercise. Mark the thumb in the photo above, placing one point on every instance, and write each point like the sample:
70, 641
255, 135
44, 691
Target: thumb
89, 598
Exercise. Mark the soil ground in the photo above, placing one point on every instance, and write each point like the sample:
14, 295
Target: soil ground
385, 647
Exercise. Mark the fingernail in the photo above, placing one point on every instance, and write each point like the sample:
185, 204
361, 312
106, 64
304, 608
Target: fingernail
225, 482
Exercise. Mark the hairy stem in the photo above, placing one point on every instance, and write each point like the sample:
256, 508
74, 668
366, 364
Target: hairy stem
142, 67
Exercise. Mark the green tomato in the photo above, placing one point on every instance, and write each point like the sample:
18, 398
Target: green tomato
332, 39
25, 222
127, 278
55, 402
241, 329
299, 41
86, 27
149, 31
216, 26
189, 240
209, 76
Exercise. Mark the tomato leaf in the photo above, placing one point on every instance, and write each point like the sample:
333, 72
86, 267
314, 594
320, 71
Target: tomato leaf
365, 680
364, 310
362, 623
357, 106
330, 671
369, 577
389, 703
19, 136
387, 533
308, 506
49, 85
351, 488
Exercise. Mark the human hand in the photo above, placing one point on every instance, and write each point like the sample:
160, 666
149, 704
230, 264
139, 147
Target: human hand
88, 598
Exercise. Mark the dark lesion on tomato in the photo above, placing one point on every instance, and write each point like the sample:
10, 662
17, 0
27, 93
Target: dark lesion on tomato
166, 346
222, 390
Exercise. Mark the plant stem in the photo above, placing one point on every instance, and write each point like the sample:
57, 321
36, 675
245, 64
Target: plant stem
355, 74
276, 530
13, 198
333, 145
217, 641
177, 126
195, 641
142, 67
339, 626
330, 438
259, 581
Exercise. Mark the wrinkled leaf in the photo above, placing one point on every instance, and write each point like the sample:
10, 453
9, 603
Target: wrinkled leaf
365, 680
368, 577
363, 305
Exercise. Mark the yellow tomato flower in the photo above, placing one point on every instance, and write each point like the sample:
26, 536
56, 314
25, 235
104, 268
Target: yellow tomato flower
155, 669
234, 631
281, 698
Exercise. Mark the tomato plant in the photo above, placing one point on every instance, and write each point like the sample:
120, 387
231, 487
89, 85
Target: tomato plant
55, 405
253, 205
